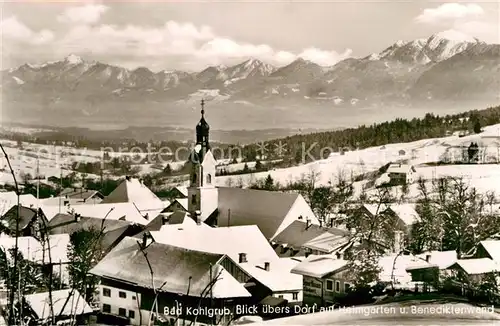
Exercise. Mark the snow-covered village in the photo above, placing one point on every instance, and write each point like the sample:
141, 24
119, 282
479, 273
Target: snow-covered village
168, 169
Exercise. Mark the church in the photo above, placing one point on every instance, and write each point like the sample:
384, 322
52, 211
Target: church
215, 206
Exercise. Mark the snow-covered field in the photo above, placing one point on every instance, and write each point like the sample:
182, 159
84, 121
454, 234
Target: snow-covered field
485, 177
405, 313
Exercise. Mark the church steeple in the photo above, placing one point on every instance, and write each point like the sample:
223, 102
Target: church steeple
203, 130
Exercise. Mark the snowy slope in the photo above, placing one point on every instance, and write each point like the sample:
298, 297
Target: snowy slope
483, 176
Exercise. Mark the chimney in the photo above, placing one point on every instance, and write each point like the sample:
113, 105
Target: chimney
145, 240
164, 220
146, 216
320, 223
127, 178
427, 258
197, 216
308, 223
300, 217
267, 266
77, 217
243, 257
331, 222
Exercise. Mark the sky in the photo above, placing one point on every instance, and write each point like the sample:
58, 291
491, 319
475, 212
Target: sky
187, 35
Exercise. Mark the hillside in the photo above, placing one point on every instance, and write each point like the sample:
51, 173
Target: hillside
441, 72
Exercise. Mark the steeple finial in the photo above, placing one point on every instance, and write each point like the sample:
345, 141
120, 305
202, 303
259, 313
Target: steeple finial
202, 107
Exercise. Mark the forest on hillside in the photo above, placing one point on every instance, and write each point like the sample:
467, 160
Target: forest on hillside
396, 131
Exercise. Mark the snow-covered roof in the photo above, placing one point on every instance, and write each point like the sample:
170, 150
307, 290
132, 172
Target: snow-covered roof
183, 202
406, 212
271, 211
66, 302
279, 276
492, 247
9, 200
442, 259
131, 190
328, 242
477, 265
113, 211
176, 270
183, 190
319, 266
399, 168
33, 250
222, 240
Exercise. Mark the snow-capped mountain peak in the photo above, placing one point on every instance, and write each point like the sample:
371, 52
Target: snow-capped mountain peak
452, 35
436, 48
73, 59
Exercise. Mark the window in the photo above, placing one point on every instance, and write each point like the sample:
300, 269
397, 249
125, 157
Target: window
209, 178
193, 199
194, 177
134, 298
106, 292
295, 296
106, 308
131, 314
122, 312
122, 294
329, 285
337, 286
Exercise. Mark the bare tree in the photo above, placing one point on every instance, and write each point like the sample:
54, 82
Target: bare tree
11, 317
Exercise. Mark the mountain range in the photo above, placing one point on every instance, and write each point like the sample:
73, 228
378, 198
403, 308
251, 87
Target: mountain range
446, 67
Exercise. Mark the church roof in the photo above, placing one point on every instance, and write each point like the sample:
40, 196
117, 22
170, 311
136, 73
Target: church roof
131, 190
266, 209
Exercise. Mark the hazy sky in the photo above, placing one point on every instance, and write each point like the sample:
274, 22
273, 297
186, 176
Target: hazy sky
190, 35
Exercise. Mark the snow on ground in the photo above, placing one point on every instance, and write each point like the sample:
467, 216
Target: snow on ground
407, 313
483, 176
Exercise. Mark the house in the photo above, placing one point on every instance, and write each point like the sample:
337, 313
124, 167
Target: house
8, 199
271, 211
473, 270
301, 238
132, 190
433, 267
274, 279
179, 204
400, 174
110, 211
401, 218
113, 230
183, 279
80, 196
31, 221
178, 220
68, 305
394, 269
37, 252
325, 278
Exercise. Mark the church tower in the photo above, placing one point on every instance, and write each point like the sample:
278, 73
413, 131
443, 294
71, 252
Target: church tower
202, 193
